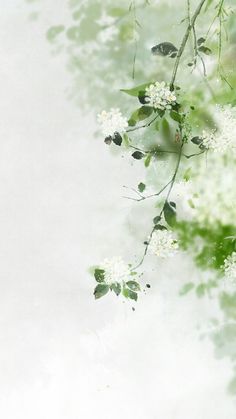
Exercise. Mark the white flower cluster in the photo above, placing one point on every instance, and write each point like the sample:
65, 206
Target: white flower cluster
163, 244
222, 138
115, 269
214, 186
185, 198
230, 267
112, 122
159, 96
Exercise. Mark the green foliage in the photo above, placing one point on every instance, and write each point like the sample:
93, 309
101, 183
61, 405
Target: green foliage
170, 213
136, 91
138, 155
116, 287
189, 286
128, 293
215, 245
54, 31
157, 219
141, 187
148, 159
165, 49
140, 114
101, 290
99, 275
129, 288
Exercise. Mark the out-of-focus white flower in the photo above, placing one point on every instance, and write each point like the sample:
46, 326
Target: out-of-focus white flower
107, 34
105, 20
115, 269
214, 185
159, 96
230, 267
222, 138
112, 122
183, 194
163, 243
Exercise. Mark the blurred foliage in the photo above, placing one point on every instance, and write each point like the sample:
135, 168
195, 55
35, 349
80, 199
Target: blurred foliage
106, 44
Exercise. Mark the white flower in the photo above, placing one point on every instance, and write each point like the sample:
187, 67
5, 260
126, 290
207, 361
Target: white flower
163, 243
222, 138
159, 96
230, 267
183, 194
115, 269
107, 34
112, 122
214, 185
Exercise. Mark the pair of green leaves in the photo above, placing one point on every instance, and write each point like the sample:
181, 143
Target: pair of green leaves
129, 289
116, 139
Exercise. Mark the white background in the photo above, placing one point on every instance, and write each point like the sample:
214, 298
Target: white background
63, 355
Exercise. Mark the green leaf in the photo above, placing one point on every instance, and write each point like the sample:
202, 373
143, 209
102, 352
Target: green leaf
108, 140
196, 140
99, 275
126, 140
186, 288
160, 227
117, 139
165, 130
135, 91
140, 114
54, 31
148, 159
116, 287
201, 41
176, 116
73, 33
141, 187
187, 174
133, 285
127, 293
200, 290
165, 49
101, 290
170, 213
156, 219
205, 50
138, 155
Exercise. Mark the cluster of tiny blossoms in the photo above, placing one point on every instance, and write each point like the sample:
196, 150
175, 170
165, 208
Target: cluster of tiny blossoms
230, 267
163, 244
222, 138
159, 96
214, 185
112, 122
116, 270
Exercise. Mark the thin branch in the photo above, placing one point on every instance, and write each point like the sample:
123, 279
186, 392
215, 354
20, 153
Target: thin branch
184, 42
143, 126
143, 198
171, 183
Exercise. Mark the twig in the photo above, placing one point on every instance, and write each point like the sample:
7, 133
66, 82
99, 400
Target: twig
143, 126
184, 42
171, 183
